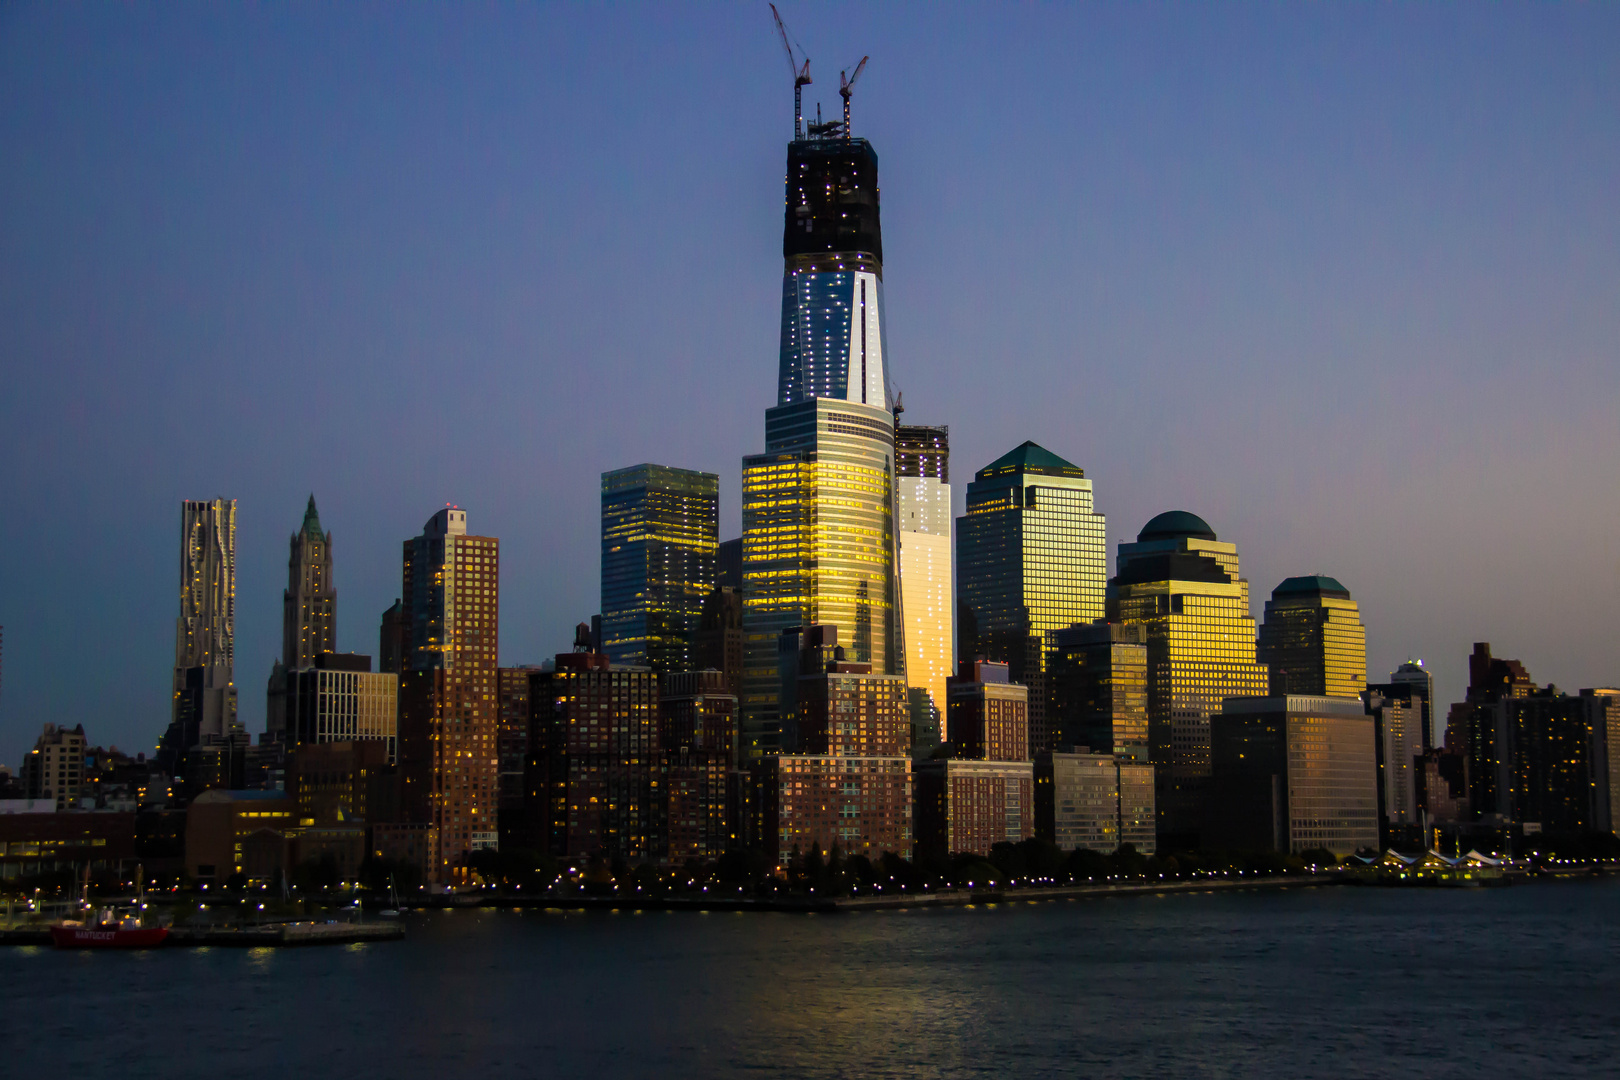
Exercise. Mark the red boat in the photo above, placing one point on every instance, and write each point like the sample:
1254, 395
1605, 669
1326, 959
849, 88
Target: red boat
108, 935
108, 929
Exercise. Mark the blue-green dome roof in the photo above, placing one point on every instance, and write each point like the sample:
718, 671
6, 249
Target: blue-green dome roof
1311, 585
1176, 525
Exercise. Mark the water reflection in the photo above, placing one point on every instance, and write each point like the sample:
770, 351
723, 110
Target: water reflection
1336, 981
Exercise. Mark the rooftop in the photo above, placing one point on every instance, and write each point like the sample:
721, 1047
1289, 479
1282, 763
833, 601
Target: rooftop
1176, 525
1030, 457
1312, 585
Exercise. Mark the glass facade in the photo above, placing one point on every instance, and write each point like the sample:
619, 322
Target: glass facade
1100, 689
660, 528
818, 512
1294, 773
832, 336
1031, 558
923, 494
818, 546
1312, 640
1181, 585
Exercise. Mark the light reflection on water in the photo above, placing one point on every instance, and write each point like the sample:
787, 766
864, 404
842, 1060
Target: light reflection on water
1348, 982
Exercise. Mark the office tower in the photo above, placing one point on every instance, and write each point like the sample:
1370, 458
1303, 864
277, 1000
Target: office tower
719, 643
1292, 773
204, 706
1412, 684
818, 505
1398, 746
1098, 678
660, 527
1182, 585
309, 604
338, 698
53, 771
512, 713
1312, 640
698, 746
594, 781
1094, 802
448, 728
923, 501
1030, 559
983, 793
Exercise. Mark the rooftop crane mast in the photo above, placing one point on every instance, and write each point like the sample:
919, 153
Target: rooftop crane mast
801, 76
846, 87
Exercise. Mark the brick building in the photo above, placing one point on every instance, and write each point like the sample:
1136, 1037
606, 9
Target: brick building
983, 792
698, 749
594, 784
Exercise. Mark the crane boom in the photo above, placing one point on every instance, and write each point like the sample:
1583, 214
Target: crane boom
846, 87
801, 73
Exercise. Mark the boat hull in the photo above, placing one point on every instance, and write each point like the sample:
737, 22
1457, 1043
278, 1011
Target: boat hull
94, 937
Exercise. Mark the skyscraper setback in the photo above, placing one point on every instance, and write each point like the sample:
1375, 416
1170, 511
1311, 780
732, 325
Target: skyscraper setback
1031, 555
1181, 584
818, 508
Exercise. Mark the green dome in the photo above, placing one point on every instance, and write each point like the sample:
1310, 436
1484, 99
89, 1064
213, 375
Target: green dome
1311, 585
1176, 525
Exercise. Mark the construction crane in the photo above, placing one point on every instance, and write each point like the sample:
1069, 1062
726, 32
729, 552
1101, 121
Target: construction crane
846, 87
801, 76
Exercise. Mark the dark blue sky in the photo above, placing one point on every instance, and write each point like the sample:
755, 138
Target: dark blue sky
1342, 279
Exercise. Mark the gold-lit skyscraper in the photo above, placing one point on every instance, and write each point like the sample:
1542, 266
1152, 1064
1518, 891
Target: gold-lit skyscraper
1312, 640
1031, 558
1182, 584
818, 546
818, 506
449, 693
923, 499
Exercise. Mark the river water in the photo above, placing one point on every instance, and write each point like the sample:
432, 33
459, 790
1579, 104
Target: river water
1345, 982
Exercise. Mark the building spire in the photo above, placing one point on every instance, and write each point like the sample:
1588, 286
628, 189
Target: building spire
312, 520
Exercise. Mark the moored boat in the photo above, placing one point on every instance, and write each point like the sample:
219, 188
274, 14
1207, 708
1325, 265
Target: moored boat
69, 934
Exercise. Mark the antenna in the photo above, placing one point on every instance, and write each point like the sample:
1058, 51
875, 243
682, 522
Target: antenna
801, 74
847, 87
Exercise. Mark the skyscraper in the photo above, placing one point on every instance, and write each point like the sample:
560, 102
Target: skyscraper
923, 498
1031, 558
1312, 640
204, 706
1416, 678
1291, 773
818, 505
660, 527
1099, 690
449, 693
1182, 584
309, 604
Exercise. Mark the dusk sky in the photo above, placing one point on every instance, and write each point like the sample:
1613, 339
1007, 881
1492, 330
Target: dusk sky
1342, 279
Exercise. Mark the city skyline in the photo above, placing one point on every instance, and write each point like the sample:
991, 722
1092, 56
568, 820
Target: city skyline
1389, 487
